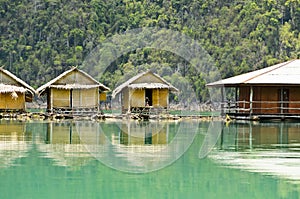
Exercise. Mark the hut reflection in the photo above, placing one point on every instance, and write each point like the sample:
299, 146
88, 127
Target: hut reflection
13, 141
143, 133
66, 142
259, 135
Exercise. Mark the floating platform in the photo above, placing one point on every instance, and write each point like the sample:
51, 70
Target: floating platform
247, 116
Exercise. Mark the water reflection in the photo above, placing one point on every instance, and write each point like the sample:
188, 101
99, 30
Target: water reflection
63, 143
13, 142
268, 148
143, 133
139, 146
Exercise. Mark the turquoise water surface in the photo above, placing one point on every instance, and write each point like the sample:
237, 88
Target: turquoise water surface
122, 159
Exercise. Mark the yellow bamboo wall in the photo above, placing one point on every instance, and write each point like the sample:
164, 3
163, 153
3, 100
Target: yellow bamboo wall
137, 98
7, 102
80, 98
60, 98
163, 97
85, 98
89, 97
155, 97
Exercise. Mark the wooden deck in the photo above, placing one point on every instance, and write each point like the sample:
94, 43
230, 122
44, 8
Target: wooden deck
262, 110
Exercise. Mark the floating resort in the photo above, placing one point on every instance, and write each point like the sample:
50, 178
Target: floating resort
268, 93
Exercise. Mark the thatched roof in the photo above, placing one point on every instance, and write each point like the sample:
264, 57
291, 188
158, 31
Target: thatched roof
286, 73
72, 85
4, 88
131, 83
20, 85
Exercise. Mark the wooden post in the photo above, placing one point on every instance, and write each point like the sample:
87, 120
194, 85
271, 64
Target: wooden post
98, 99
281, 100
236, 99
71, 98
222, 101
50, 92
251, 100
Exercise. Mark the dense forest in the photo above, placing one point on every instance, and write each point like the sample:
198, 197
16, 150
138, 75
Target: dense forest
42, 38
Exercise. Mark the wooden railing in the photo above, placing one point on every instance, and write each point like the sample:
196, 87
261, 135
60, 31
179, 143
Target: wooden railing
276, 107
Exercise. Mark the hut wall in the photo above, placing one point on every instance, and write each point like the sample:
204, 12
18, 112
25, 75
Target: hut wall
163, 97
160, 97
269, 98
60, 98
7, 102
137, 97
75, 77
125, 99
148, 78
84, 98
244, 95
294, 97
155, 97
7, 79
256, 105
89, 97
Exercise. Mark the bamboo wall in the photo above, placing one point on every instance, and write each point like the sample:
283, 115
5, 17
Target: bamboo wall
7, 102
75, 77
163, 97
80, 98
85, 98
60, 98
148, 78
137, 98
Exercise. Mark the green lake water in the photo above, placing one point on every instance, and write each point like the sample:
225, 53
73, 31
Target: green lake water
122, 159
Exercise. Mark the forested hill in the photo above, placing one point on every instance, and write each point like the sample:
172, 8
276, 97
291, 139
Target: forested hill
42, 38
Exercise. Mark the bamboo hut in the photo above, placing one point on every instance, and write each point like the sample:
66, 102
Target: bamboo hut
272, 92
72, 91
14, 92
143, 91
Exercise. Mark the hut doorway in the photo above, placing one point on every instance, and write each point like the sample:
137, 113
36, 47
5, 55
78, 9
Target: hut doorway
148, 97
